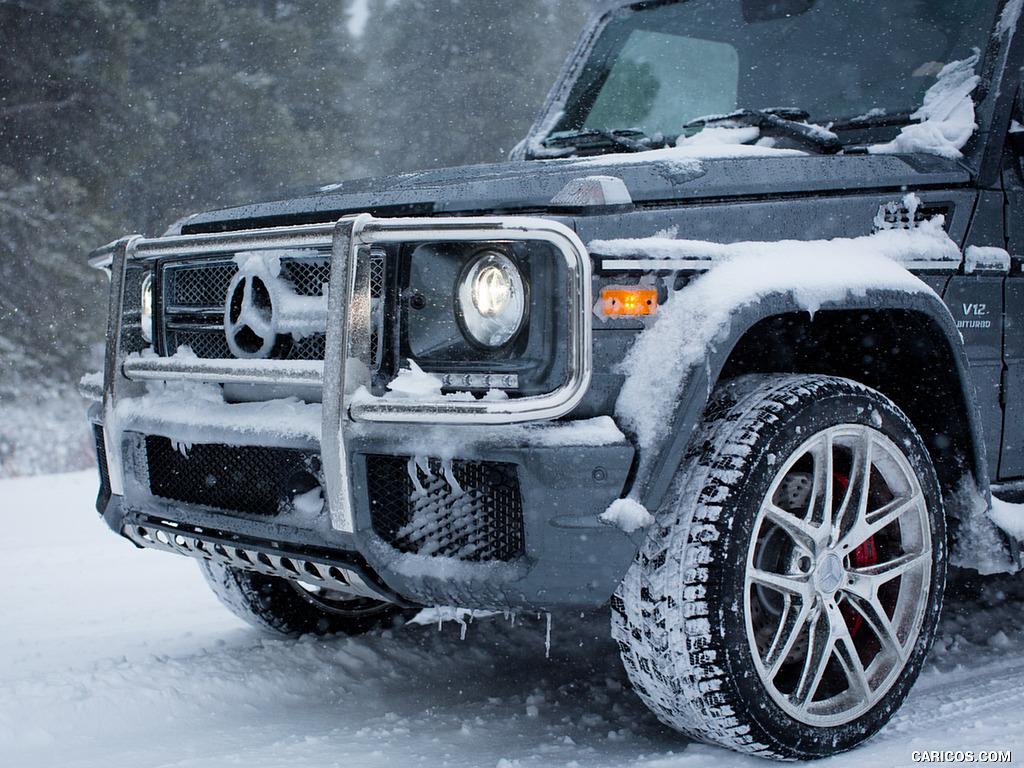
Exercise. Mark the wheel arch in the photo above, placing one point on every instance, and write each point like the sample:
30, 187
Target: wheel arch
904, 354
907, 347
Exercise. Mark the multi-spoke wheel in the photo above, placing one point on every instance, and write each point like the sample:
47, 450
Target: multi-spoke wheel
838, 575
292, 607
786, 600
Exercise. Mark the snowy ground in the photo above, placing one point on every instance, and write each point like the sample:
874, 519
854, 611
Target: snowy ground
114, 657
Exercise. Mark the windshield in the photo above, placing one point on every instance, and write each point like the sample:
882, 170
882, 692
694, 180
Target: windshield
654, 69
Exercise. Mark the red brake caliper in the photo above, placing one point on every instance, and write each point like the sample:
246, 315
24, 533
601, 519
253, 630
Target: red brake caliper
861, 557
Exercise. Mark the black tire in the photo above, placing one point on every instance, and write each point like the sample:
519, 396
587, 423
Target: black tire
290, 608
785, 600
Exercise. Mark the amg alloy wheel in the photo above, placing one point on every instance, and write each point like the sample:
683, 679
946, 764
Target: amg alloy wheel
837, 575
788, 596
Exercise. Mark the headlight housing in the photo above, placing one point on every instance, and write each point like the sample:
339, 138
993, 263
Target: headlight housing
482, 313
491, 297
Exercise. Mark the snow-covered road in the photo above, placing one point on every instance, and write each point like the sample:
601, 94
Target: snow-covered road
114, 657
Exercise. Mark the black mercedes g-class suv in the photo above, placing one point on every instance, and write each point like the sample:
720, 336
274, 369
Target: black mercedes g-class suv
733, 343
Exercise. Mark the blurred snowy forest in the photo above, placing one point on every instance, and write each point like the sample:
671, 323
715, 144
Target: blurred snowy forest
120, 116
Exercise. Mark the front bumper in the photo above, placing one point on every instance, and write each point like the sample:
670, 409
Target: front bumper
427, 529
481, 503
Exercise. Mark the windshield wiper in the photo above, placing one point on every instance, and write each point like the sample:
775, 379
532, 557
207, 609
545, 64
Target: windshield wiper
784, 123
896, 119
599, 140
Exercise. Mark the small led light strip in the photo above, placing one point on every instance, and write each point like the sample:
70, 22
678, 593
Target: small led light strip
480, 380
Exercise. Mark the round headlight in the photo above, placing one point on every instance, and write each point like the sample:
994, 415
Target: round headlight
491, 297
146, 312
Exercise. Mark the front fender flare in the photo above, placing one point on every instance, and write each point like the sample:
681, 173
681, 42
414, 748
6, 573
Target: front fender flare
664, 394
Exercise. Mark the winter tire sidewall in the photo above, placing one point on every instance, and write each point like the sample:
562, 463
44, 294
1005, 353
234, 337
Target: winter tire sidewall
691, 575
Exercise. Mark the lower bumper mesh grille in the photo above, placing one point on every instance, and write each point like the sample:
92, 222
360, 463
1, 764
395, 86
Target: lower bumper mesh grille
466, 510
248, 479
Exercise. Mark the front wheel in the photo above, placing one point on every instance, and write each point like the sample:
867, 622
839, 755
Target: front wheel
786, 599
292, 607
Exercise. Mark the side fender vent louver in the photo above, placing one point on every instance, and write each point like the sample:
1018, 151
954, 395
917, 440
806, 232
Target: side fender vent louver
907, 215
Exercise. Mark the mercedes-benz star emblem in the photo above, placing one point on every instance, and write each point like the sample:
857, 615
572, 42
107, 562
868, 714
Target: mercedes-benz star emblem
249, 321
830, 573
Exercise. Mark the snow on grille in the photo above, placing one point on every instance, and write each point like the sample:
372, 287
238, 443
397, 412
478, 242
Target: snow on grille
194, 297
466, 510
308, 276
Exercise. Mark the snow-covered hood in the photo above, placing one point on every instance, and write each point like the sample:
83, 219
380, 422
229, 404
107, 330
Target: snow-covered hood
657, 176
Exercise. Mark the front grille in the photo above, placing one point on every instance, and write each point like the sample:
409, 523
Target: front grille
192, 298
209, 345
466, 510
252, 480
309, 348
202, 285
307, 276
194, 294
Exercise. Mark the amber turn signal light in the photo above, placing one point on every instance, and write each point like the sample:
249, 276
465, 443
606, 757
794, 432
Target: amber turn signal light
629, 301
